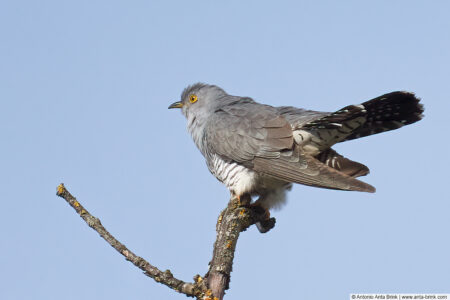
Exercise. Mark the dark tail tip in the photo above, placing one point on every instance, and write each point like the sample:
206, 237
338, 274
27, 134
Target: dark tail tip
388, 112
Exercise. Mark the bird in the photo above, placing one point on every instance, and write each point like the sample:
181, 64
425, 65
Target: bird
259, 150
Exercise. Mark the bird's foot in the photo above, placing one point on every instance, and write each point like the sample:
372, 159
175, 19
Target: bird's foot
266, 225
266, 222
261, 211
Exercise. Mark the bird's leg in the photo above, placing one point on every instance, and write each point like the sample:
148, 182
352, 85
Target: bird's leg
244, 199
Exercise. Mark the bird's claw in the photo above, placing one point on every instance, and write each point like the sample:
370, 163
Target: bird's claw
266, 225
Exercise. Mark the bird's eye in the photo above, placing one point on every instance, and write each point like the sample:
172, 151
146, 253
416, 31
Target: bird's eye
193, 98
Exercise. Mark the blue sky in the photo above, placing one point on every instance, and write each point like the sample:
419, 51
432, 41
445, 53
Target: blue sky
84, 90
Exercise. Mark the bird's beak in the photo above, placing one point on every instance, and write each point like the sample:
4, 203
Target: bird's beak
177, 104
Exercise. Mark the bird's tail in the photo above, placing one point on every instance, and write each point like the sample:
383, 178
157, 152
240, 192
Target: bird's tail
336, 161
388, 112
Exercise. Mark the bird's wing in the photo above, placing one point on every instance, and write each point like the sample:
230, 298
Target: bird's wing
243, 131
258, 137
305, 169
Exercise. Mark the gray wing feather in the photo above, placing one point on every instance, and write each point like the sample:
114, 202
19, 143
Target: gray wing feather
243, 131
309, 171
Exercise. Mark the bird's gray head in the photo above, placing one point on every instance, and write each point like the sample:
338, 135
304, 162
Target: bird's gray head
199, 99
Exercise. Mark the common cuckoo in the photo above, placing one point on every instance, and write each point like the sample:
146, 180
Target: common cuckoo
260, 150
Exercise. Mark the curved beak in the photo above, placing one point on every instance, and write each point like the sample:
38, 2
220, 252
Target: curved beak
177, 104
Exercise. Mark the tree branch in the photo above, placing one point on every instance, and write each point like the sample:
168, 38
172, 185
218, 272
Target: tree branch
197, 289
232, 221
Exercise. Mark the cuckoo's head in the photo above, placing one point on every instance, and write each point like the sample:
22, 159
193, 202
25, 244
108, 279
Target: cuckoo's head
199, 99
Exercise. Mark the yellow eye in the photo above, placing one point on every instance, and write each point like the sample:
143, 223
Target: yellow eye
193, 98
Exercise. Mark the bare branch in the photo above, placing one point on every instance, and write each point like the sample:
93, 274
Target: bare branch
197, 289
232, 221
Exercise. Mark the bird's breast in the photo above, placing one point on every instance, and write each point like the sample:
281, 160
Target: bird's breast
195, 127
236, 177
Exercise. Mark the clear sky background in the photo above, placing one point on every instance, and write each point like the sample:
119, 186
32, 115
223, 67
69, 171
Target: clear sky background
84, 91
